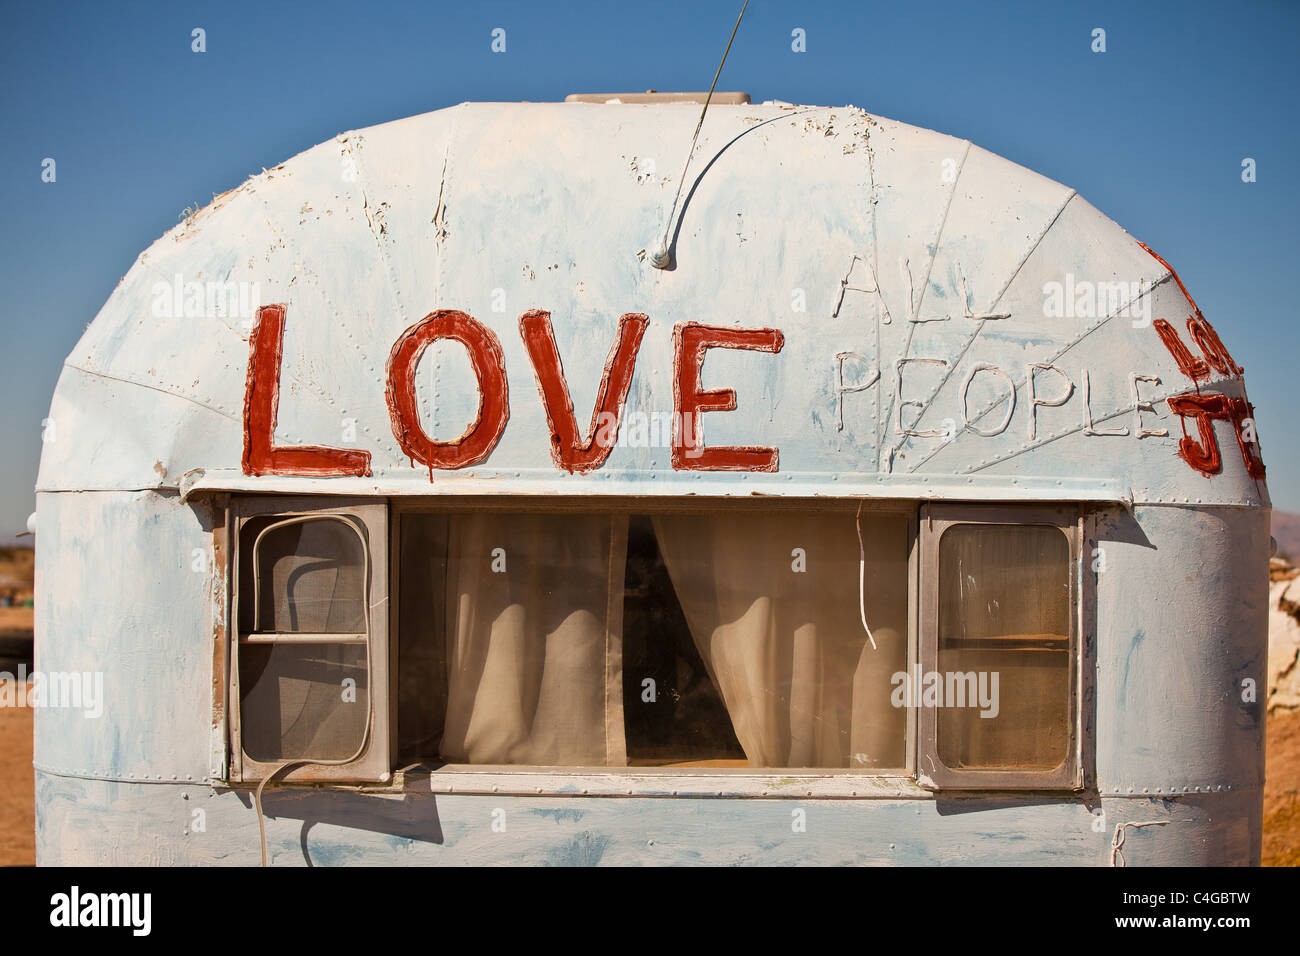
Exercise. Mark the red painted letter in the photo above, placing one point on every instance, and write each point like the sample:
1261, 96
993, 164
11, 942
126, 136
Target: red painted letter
1203, 334
689, 452
570, 450
1239, 410
1216, 353
493, 396
1204, 457
261, 404
1188, 364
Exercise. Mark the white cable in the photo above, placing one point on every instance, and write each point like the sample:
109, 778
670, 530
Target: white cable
1117, 841
660, 259
862, 575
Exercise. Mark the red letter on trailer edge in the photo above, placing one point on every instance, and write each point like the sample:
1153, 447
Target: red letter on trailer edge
1204, 457
691, 341
570, 450
493, 396
261, 405
1188, 364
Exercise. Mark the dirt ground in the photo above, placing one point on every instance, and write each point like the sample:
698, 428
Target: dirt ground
1282, 792
17, 814
15, 621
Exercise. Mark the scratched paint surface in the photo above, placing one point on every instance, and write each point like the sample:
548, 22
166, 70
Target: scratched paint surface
498, 209
84, 822
547, 207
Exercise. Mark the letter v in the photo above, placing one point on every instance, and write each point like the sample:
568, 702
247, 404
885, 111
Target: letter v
571, 451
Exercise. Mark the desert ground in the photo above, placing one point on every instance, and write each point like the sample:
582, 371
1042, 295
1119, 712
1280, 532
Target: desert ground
17, 813
1281, 790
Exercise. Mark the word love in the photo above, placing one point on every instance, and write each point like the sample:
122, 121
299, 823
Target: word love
572, 449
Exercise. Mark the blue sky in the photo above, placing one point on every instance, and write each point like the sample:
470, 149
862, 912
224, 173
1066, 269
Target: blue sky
1152, 132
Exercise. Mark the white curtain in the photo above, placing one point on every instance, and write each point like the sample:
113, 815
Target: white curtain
772, 604
534, 618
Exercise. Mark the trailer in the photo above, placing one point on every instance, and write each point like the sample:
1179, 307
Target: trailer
418, 505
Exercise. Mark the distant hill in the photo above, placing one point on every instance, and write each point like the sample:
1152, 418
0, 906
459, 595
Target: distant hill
1286, 529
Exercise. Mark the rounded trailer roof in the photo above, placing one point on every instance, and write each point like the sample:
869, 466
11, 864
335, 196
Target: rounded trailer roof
917, 281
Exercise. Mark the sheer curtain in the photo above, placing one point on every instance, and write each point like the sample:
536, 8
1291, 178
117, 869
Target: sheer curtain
772, 604
533, 631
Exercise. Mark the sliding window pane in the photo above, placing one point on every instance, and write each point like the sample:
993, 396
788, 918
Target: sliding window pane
1004, 648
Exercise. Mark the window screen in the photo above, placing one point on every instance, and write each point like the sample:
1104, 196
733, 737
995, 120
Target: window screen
293, 700
303, 682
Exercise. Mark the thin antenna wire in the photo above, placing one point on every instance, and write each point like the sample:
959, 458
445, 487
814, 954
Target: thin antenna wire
661, 257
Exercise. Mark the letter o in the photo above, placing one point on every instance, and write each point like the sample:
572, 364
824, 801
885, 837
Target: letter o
965, 387
489, 365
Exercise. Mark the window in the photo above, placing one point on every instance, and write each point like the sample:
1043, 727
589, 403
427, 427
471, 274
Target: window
653, 633
309, 651
996, 687
714, 637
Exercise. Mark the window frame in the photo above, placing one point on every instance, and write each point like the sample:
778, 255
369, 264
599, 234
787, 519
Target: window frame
1071, 520
374, 765
381, 517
